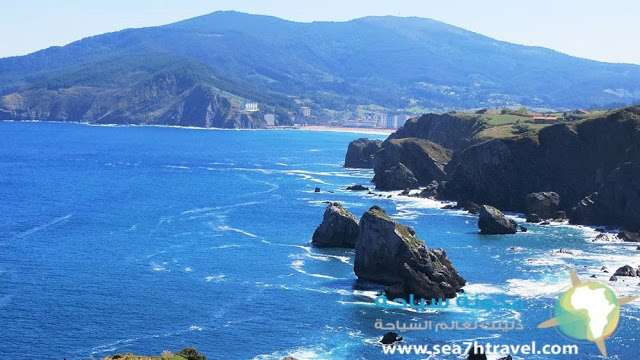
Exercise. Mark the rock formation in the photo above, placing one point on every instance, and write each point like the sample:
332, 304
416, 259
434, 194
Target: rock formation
627, 270
543, 204
425, 159
493, 222
360, 153
390, 338
448, 131
339, 228
387, 253
396, 178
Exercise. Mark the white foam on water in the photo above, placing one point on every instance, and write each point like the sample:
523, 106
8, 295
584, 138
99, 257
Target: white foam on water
159, 267
549, 287
224, 247
188, 269
45, 225
473, 289
228, 228
181, 167
297, 266
216, 278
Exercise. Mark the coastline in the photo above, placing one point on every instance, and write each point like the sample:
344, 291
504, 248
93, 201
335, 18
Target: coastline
374, 131
371, 131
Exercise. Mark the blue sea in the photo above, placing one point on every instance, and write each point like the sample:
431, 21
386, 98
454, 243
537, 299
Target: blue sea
141, 239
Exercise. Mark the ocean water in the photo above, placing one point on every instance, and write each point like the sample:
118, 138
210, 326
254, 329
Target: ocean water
141, 239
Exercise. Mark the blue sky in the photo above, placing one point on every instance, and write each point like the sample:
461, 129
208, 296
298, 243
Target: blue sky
595, 29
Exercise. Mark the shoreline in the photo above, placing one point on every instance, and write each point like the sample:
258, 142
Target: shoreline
374, 131
370, 131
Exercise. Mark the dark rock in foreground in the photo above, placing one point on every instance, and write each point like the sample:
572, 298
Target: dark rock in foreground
543, 204
387, 253
628, 236
398, 177
339, 228
533, 218
390, 338
627, 270
357, 187
360, 153
493, 222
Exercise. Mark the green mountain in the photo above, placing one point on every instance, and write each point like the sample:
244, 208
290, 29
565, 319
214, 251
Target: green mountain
198, 72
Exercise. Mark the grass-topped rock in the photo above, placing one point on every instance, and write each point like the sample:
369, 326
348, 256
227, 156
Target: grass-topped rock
184, 354
389, 253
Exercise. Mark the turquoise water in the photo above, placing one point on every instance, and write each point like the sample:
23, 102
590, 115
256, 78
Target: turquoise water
140, 239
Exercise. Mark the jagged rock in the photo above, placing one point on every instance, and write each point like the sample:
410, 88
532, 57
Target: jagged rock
360, 153
387, 253
431, 190
395, 178
448, 207
593, 276
605, 237
533, 218
339, 228
492, 221
628, 236
584, 212
316, 190
477, 353
472, 208
523, 228
390, 338
425, 159
544, 204
627, 270
563, 251
560, 215
638, 248
405, 192
613, 278
357, 187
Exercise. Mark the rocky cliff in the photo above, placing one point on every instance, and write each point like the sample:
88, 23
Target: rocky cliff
360, 153
446, 130
592, 165
168, 94
425, 159
573, 160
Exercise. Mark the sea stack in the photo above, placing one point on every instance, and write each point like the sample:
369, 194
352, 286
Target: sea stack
339, 228
388, 253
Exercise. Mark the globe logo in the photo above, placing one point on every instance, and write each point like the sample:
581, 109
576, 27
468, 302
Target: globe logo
587, 311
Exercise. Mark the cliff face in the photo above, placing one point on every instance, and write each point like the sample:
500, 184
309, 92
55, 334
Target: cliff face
597, 158
572, 160
174, 96
360, 153
425, 159
450, 132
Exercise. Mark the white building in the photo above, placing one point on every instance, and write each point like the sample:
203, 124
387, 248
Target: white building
250, 106
381, 120
305, 111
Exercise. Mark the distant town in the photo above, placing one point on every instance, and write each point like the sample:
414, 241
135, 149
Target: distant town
383, 120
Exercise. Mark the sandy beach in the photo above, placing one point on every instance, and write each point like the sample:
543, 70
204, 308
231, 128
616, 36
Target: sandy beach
349, 130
